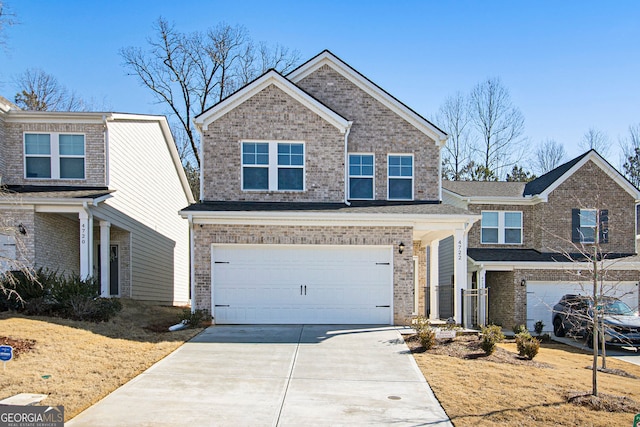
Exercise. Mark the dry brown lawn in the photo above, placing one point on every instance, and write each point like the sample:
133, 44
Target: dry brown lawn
78, 363
503, 390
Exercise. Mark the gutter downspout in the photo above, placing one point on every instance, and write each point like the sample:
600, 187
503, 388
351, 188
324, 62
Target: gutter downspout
191, 263
106, 150
346, 165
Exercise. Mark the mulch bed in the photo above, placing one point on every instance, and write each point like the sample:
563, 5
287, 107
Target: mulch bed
604, 402
468, 347
19, 346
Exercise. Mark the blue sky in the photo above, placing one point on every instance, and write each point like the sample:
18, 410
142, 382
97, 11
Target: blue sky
570, 65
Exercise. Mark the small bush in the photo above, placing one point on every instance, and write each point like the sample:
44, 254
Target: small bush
521, 338
491, 335
427, 338
538, 327
531, 348
421, 323
519, 328
194, 319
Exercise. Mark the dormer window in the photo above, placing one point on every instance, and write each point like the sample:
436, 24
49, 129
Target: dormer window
54, 156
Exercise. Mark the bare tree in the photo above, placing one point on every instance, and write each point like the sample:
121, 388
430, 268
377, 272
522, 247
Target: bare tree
595, 139
630, 154
453, 118
499, 123
188, 72
549, 155
40, 91
7, 19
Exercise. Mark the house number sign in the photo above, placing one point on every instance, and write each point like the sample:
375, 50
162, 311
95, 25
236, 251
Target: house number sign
83, 233
459, 250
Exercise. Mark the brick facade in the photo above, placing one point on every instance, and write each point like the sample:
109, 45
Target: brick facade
57, 243
207, 234
272, 115
378, 130
13, 153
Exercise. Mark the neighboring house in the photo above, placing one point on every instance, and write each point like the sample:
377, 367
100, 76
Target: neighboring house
87, 190
320, 200
523, 247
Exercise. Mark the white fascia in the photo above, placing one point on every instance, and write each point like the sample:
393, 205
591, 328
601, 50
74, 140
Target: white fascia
486, 200
55, 117
563, 266
271, 78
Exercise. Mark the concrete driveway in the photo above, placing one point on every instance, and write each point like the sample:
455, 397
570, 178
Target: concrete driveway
277, 376
628, 355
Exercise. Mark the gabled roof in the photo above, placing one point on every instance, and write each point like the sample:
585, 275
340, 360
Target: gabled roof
548, 182
355, 77
269, 78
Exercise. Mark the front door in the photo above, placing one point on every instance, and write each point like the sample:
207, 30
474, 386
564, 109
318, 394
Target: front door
114, 270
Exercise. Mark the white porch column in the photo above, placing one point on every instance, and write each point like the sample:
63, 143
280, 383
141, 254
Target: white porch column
460, 271
434, 313
86, 224
105, 261
482, 284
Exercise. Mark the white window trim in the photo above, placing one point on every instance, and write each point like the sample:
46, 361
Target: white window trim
273, 166
55, 156
502, 228
373, 175
413, 173
594, 227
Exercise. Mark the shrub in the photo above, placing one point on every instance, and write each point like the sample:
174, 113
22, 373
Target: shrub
194, 319
538, 327
519, 328
521, 338
527, 345
427, 338
491, 335
421, 323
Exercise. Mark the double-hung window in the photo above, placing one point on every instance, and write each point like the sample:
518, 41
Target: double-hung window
501, 227
400, 177
361, 176
273, 166
590, 225
54, 156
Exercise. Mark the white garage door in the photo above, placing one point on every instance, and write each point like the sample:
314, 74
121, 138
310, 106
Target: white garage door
282, 284
541, 297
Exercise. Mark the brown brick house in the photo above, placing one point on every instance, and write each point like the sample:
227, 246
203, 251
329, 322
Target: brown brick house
320, 201
526, 249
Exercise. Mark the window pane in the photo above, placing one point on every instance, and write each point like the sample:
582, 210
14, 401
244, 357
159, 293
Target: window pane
489, 235
400, 166
71, 145
37, 143
489, 219
255, 178
290, 155
512, 235
38, 167
513, 219
400, 189
290, 178
72, 168
284, 159
255, 153
360, 165
361, 188
587, 218
588, 234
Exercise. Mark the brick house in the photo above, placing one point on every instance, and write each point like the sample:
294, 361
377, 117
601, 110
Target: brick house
320, 201
526, 248
86, 190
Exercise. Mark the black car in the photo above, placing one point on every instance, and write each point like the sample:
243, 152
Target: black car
573, 315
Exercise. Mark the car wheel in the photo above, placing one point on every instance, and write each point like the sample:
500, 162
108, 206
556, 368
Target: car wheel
589, 340
558, 329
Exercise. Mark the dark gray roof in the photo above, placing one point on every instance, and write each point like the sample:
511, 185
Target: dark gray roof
531, 255
376, 207
485, 188
55, 191
540, 184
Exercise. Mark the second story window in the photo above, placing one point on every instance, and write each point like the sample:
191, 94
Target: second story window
54, 156
400, 177
361, 176
500, 227
590, 226
273, 166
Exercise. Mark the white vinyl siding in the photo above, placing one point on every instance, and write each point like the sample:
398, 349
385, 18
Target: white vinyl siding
146, 203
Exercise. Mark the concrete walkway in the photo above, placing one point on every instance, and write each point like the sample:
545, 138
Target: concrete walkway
277, 376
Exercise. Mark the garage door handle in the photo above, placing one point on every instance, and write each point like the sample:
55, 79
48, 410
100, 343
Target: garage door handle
305, 289
222, 305
382, 263
383, 306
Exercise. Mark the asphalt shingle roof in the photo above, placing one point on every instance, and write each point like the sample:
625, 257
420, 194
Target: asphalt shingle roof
485, 188
55, 192
532, 255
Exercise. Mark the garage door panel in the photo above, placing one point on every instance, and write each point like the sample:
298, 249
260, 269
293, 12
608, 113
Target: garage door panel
541, 297
301, 284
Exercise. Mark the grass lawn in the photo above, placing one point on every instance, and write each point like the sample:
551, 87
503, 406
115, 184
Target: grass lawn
78, 363
502, 390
